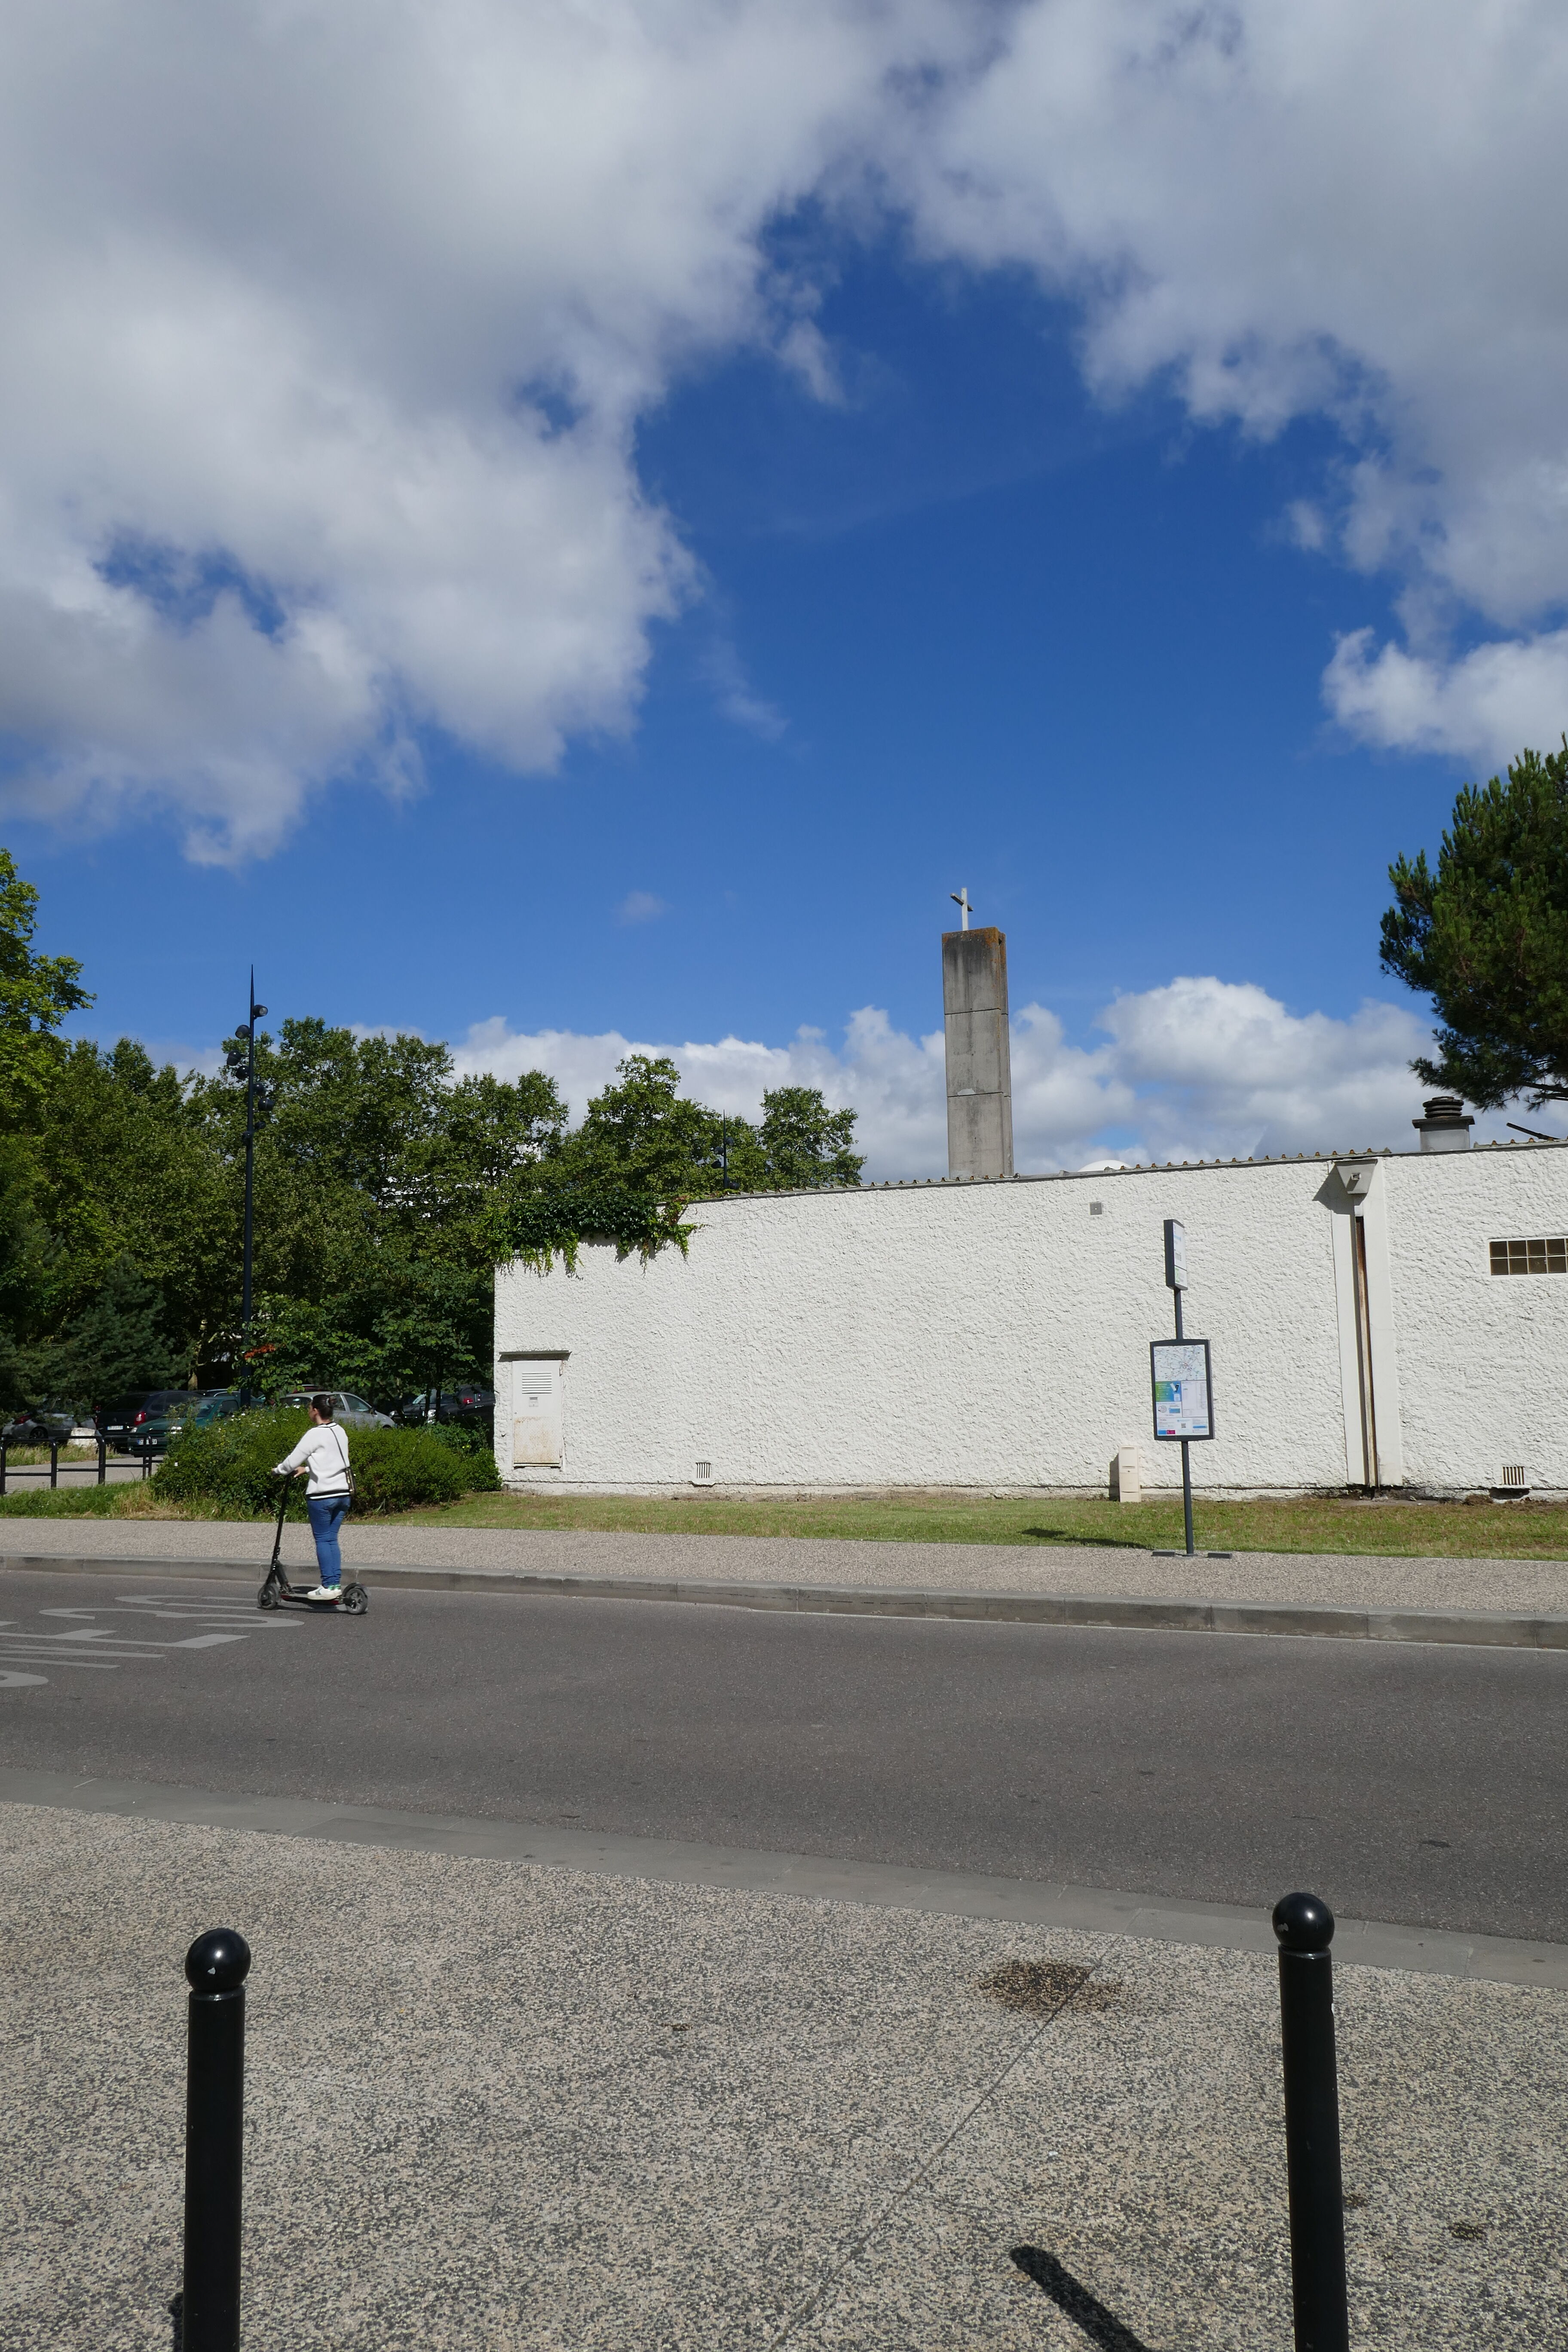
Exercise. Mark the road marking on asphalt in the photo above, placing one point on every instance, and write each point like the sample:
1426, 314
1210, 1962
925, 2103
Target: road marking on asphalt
101, 1665
76, 1637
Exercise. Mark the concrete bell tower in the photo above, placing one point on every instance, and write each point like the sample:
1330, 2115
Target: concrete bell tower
979, 1069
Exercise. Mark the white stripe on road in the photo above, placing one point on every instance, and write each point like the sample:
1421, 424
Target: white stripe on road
53, 1658
128, 1644
83, 1641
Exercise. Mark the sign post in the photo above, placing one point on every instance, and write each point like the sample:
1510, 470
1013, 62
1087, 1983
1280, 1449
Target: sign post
1179, 1372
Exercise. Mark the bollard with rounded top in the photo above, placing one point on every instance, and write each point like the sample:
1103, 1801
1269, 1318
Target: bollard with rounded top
1305, 1927
215, 1969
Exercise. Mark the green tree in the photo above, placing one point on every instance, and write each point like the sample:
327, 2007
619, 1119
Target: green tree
803, 1142
37, 992
1486, 936
378, 1175
114, 1342
391, 1324
125, 1173
372, 1160
643, 1133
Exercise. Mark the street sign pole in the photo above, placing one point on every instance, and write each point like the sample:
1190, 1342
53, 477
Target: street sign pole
1186, 1452
1175, 1283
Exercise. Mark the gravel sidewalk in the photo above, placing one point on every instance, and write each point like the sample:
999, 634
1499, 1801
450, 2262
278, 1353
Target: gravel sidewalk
495, 2107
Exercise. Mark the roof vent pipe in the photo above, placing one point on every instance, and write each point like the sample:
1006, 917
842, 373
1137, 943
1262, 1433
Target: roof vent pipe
1447, 1126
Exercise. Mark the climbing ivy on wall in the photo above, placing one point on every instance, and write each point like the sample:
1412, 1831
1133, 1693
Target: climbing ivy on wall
541, 1226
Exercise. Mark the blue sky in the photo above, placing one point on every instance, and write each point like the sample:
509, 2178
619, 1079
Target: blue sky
997, 638
954, 592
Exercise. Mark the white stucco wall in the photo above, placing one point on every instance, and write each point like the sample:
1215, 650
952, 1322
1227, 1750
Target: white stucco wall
1483, 1360
996, 1335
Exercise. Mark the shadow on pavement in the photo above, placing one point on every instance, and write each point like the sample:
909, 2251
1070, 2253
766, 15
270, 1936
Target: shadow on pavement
1102, 2327
1081, 1542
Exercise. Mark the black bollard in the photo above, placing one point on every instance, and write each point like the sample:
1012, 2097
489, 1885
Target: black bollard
102, 1458
215, 1968
1305, 1926
54, 1461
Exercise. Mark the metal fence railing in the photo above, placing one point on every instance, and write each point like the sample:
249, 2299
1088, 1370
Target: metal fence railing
91, 1471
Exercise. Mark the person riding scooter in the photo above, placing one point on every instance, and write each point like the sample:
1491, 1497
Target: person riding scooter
323, 1452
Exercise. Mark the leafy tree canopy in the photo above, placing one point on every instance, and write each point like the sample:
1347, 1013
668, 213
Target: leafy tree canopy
1486, 936
37, 992
113, 1343
387, 1188
643, 1133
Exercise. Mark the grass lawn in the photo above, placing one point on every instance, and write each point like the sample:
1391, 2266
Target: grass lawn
1444, 1530
1434, 1530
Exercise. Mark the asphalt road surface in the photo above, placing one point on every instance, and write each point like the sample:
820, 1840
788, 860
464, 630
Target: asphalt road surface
1411, 1783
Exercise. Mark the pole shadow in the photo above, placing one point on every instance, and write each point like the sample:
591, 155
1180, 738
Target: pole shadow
1071, 2297
1086, 1542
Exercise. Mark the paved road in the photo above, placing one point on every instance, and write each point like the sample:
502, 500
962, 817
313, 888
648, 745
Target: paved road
1409, 1783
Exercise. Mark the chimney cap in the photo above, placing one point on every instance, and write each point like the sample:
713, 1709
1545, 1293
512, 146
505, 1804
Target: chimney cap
1447, 1126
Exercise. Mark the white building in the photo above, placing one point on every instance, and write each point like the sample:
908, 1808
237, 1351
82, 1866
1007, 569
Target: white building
1397, 1319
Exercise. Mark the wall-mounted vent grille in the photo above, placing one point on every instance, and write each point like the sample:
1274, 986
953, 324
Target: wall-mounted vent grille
702, 1475
1513, 1474
1530, 1258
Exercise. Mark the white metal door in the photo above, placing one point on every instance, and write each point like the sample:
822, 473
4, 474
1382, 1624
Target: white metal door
536, 1413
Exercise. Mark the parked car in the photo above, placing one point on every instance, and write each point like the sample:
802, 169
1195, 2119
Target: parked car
354, 1411
145, 1421
37, 1425
218, 1404
462, 1401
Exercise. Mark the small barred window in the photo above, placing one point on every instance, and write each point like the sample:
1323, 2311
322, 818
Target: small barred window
1530, 1258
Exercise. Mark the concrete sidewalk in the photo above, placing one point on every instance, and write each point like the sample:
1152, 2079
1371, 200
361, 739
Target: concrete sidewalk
498, 2106
1318, 1579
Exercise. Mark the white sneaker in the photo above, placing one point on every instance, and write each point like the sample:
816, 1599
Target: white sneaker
326, 1592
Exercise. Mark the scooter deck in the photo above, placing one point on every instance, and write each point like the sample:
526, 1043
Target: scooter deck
277, 1590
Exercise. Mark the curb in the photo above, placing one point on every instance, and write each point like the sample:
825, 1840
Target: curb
1478, 1628
812, 1878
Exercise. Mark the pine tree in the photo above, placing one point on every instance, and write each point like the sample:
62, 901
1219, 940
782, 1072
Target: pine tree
1486, 937
115, 1343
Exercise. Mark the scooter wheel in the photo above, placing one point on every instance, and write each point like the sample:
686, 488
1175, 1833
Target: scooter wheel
355, 1600
268, 1596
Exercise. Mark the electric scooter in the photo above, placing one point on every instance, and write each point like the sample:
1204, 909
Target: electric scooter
277, 1588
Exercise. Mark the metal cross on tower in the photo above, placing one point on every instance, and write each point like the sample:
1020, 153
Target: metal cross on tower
961, 900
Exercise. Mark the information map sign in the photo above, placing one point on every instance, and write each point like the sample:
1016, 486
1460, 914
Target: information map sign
1183, 1401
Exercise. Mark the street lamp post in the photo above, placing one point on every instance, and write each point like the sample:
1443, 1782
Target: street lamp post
258, 1012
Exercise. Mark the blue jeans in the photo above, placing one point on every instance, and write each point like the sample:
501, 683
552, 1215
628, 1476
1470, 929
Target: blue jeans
327, 1515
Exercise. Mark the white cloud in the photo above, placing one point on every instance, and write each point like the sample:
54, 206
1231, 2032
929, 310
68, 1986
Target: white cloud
723, 672
1201, 1068
640, 906
1483, 706
1222, 1071
327, 333
1345, 209
328, 329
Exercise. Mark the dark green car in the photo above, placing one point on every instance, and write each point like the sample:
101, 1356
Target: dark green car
147, 1422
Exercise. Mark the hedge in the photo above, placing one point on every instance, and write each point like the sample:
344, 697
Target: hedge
230, 1463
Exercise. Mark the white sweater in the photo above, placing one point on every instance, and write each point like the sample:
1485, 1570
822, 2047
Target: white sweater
326, 1448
